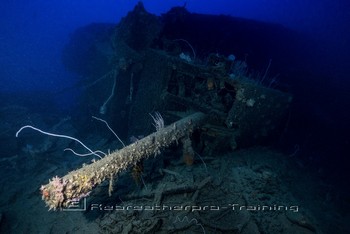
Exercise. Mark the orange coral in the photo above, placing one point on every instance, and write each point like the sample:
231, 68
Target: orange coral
188, 152
188, 158
137, 171
45, 194
210, 84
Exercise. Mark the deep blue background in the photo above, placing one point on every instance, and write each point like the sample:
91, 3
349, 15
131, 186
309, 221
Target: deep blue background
32, 33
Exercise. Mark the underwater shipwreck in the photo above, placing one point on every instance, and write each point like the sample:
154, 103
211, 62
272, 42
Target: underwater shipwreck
181, 105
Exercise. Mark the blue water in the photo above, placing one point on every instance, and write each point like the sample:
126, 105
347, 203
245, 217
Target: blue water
37, 88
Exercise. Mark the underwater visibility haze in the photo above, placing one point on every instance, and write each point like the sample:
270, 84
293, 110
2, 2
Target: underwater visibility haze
174, 116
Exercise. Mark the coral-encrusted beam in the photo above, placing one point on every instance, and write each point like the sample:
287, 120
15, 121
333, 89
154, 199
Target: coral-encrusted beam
59, 192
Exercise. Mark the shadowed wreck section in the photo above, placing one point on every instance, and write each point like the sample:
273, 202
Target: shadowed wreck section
146, 70
140, 69
205, 107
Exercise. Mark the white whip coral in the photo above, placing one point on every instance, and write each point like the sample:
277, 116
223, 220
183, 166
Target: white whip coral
58, 135
103, 108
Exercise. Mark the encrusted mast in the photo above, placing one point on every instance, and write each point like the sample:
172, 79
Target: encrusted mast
60, 192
